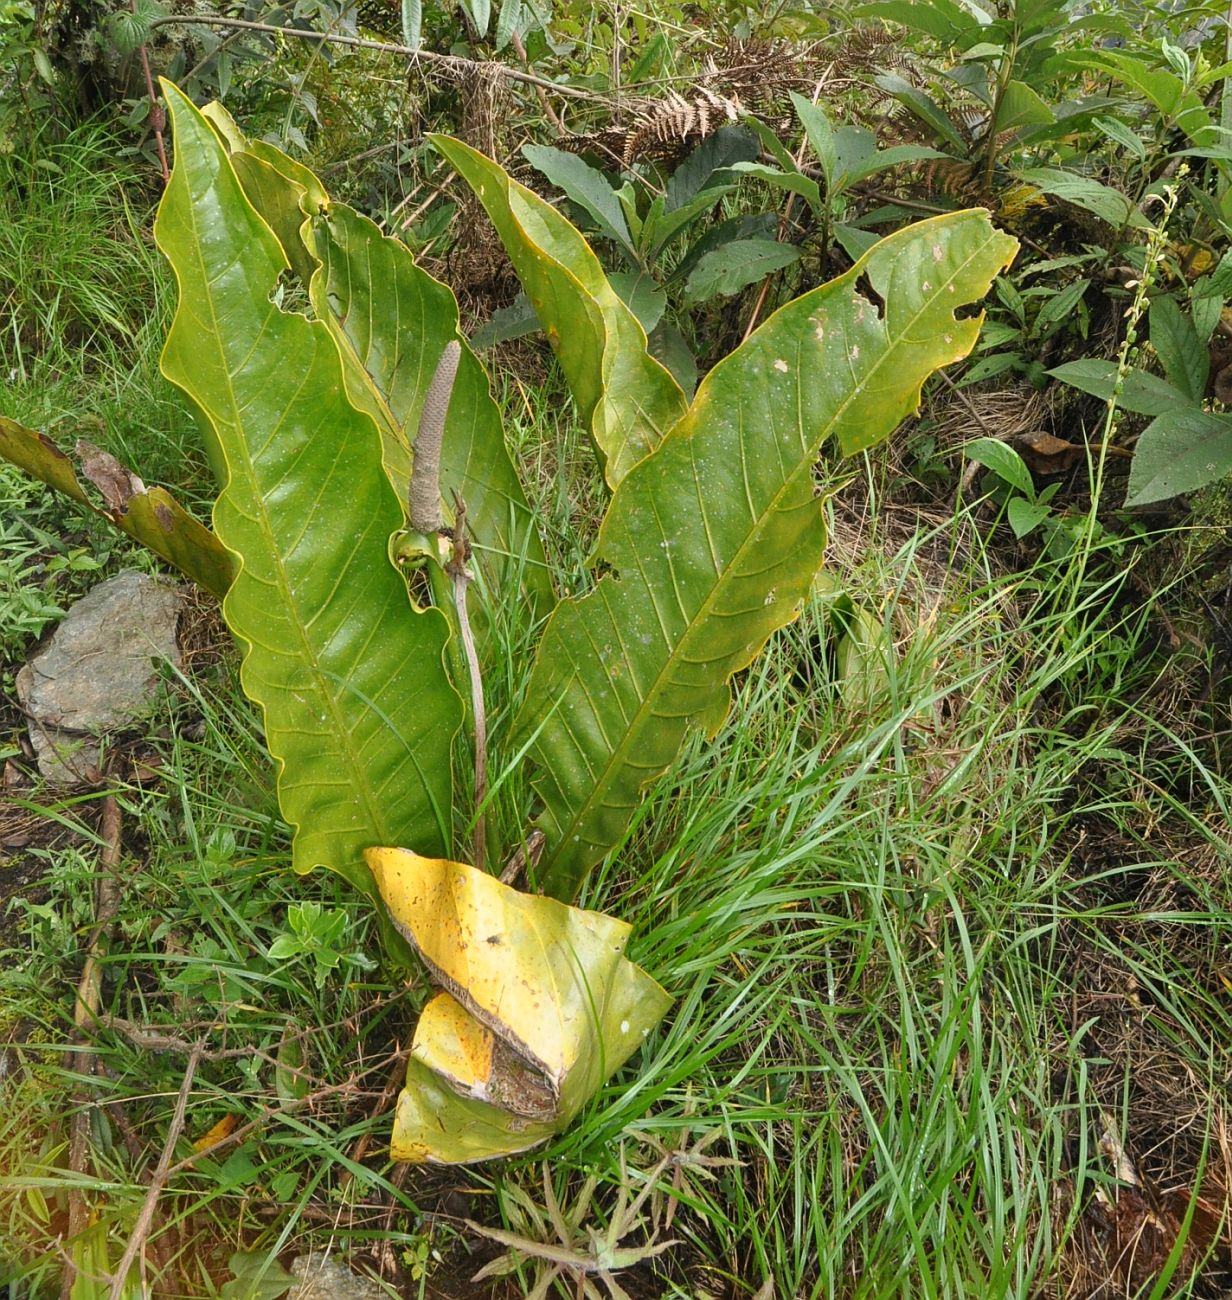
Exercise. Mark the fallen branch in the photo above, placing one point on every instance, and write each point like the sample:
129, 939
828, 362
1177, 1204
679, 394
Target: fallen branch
451, 62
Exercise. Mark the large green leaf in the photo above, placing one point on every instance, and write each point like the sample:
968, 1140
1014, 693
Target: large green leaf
359, 714
391, 321
714, 539
947, 20
629, 399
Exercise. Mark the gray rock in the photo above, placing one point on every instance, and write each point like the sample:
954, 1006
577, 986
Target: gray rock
98, 672
320, 1277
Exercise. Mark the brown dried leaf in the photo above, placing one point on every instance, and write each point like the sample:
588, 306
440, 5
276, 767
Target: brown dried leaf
117, 484
1047, 455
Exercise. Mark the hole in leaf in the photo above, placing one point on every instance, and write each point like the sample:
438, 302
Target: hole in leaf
968, 311
289, 294
864, 287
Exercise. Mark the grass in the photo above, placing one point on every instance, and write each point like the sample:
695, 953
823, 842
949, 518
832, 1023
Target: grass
939, 914
85, 302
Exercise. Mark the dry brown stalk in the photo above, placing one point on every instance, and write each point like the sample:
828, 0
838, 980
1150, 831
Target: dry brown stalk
149, 1207
450, 62
85, 1012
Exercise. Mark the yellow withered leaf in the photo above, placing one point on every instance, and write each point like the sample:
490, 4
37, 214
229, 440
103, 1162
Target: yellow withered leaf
217, 1133
540, 1006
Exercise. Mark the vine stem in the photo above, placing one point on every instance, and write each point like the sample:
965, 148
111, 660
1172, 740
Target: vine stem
363, 43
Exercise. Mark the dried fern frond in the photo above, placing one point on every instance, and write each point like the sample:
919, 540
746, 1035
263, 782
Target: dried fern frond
744, 77
760, 72
868, 48
953, 177
667, 127
662, 129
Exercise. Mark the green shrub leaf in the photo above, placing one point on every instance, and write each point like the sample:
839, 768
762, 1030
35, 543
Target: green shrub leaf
1091, 195
1185, 361
1004, 462
726, 270
1142, 393
1179, 452
586, 186
703, 170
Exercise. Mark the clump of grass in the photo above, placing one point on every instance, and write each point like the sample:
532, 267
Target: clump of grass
85, 301
869, 916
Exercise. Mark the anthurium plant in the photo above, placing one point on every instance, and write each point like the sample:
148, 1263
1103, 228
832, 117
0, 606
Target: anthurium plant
365, 486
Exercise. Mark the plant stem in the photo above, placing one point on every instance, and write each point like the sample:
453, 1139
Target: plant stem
461, 575
549, 112
1005, 75
784, 220
158, 119
1127, 357
1225, 103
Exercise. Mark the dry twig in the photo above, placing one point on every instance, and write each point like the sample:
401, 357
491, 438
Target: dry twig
149, 1206
450, 62
85, 1012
